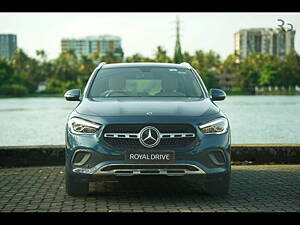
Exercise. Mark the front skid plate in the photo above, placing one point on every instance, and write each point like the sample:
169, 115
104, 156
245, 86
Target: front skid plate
137, 169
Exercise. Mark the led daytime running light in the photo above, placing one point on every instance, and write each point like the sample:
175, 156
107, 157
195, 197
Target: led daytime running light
218, 126
81, 126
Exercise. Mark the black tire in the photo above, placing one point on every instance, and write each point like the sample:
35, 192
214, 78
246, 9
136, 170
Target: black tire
75, 187
218, 187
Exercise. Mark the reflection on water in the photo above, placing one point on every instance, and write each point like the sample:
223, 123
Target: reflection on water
33, 121
253, 119
263, 119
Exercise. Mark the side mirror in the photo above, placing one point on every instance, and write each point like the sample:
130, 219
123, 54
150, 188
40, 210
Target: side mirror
73, 95
217, 94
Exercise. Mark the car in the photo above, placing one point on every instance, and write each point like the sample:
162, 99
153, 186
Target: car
147, 119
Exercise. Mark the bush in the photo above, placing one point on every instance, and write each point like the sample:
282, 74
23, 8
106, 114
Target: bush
54, 87
13, 90
236, 91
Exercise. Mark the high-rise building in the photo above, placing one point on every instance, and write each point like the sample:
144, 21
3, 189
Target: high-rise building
263, 40
8, 45
92, 44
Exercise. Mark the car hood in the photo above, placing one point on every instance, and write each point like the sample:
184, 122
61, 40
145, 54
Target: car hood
147, 106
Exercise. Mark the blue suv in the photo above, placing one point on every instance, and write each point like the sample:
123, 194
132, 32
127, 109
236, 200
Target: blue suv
147, 119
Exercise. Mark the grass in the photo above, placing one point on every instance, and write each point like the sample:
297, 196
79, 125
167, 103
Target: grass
279, 93
46, 95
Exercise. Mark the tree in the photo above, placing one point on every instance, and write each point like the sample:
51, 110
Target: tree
111, 57
137, 57
230, 64
207, 65
249, 73
25, 70
42, 54
65, 73
6, 71
9, 83
269, 71
86, 66
186, 57
290, 70
161, 55
22, 74
45, 67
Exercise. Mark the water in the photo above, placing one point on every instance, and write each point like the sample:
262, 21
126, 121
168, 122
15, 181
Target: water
253, 119
263, 119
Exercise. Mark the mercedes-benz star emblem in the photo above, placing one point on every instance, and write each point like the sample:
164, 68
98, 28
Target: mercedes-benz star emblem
149, 137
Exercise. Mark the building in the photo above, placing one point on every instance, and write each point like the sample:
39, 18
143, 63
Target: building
8, 45
263, 40
94, 44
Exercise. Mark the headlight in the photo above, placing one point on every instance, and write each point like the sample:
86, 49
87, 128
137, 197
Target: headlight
218, 126
81, 126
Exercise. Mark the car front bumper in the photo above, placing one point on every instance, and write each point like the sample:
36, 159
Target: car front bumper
104, 162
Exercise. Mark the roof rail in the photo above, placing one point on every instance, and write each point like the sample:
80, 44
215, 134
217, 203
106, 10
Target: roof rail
100, 64
186, 65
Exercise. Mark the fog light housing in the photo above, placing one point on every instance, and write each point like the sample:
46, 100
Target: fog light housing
217, 157
81, 157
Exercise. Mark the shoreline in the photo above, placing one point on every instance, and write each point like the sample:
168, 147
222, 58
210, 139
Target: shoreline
228, 94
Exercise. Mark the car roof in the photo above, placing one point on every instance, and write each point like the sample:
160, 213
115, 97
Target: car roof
144, 64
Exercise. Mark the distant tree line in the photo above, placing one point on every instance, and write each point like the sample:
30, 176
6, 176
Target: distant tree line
21, 75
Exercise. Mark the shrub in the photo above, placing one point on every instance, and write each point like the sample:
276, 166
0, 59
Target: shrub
13, 90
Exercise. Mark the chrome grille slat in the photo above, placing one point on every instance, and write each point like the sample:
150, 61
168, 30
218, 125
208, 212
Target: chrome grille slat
131, 136
137, 135
122, 135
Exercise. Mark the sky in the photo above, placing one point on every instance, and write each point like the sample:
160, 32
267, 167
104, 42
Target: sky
140, 32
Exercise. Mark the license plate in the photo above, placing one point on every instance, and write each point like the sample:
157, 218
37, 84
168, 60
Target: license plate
150, 157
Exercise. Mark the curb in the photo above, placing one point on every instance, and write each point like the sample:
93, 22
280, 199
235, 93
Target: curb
40, 155
54, 155
266, 153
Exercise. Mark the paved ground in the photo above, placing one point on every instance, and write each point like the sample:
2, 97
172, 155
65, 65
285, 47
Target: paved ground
263, 188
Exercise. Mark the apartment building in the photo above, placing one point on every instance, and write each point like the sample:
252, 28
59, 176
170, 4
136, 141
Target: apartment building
8, 45
263, 40
94, 44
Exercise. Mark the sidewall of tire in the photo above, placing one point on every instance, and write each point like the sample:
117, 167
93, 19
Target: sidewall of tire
221, 186
75, 187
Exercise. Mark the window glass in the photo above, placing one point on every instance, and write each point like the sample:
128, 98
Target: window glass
145, 82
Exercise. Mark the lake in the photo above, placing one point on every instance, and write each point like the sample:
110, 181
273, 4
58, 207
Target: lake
253, 119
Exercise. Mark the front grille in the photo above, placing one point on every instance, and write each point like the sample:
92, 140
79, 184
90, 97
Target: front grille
136, 128
113, 136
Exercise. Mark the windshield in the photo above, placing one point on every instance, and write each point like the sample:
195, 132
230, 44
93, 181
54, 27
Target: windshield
145, 82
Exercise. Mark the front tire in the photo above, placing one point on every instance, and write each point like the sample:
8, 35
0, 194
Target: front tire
75, 187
